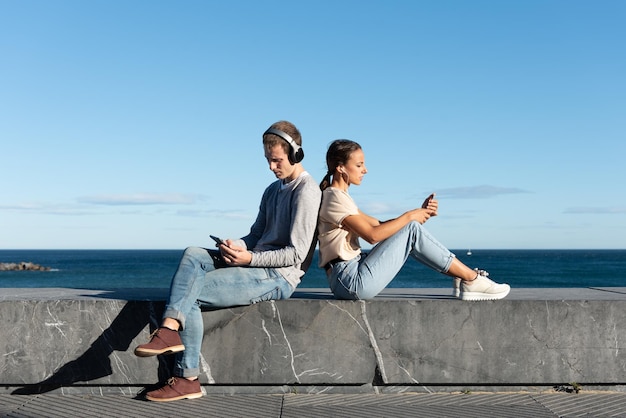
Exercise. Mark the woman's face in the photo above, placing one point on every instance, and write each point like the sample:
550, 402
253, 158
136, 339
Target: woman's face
354, 168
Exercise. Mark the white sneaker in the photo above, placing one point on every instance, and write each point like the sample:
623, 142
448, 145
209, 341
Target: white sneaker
483, 288
456, 282
456, 287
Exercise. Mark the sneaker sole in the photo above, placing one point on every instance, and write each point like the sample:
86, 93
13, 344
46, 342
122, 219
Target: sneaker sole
479, 296
176, 398
147, 352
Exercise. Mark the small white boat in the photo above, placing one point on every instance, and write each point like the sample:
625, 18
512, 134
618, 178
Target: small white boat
469, 252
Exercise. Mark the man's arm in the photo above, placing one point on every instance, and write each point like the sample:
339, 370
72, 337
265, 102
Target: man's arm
300, 229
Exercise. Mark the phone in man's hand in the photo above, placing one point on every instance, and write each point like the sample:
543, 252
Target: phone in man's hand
217, 240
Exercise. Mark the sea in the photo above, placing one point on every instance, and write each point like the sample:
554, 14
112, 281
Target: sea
114, 269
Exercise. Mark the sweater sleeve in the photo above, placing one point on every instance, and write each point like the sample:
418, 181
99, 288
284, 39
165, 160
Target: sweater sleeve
297, 223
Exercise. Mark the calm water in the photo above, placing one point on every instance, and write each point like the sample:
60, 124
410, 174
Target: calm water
104, 269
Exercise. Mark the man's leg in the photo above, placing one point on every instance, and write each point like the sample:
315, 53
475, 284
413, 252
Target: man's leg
189, 280
199, 281
223, 288
185, 288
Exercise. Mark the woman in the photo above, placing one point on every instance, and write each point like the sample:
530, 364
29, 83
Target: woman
354, 275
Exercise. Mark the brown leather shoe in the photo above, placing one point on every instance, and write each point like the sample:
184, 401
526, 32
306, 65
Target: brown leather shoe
162, 341
176, 388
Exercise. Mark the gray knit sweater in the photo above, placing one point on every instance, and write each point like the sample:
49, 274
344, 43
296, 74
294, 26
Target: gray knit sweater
284, 233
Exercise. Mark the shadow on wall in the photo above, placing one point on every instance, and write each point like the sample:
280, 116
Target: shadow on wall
96, 362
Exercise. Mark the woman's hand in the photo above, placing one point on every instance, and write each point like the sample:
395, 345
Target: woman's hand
235, 255
420, 215
428, 210
431, 204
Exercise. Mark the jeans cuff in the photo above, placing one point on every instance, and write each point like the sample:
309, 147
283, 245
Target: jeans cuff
179, 372
177, 315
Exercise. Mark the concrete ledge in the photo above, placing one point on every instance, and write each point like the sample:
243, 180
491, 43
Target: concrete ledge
406, 338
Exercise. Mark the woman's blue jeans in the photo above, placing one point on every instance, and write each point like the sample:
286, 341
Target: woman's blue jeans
204, 281
366, 275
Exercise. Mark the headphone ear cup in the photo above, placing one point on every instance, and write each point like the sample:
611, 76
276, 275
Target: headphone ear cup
297, 156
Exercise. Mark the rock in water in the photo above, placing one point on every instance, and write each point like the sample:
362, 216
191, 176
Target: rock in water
22, 266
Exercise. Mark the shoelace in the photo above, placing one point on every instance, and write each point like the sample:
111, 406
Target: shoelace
478, 271
481, 272
171, 381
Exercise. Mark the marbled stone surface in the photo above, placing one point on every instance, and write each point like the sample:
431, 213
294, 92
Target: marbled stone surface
423, 338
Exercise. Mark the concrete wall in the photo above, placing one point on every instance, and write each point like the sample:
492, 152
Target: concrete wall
419, 339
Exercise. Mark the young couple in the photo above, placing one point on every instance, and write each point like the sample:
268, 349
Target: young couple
268, 263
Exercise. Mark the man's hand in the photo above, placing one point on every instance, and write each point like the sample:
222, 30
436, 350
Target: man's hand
235, 255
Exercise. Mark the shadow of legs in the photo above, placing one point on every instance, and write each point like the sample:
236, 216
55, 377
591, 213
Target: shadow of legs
95, 362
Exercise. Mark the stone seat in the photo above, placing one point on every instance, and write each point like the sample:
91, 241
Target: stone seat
78, 340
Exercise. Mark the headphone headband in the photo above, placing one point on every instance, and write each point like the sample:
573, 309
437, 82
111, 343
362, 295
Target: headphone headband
296, 153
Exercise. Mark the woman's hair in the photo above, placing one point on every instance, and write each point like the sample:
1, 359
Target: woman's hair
338, 153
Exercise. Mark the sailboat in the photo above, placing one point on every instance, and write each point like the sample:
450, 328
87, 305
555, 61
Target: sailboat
469, 252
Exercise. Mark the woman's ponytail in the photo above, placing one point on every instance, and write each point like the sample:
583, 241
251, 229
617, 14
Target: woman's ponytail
325, 181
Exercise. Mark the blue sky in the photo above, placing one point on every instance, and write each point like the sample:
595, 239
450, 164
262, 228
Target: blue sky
137, 124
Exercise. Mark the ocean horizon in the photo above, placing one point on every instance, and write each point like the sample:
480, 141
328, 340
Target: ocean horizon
112, 269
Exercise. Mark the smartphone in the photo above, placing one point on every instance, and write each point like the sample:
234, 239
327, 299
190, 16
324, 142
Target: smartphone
218, 240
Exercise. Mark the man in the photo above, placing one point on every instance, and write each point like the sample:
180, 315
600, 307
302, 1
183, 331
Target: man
266, 264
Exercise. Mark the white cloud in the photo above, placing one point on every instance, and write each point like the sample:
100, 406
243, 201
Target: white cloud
377, 208
141, 199
222, 214
47, 209
92, 205
596, 210
478, 192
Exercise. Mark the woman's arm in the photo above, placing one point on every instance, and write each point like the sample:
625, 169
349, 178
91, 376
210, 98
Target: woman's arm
374, 231
371, 220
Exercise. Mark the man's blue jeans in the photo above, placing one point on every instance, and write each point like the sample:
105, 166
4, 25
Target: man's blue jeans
366, 275
200, 282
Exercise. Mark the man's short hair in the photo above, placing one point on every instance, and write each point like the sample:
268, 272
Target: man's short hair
271, 140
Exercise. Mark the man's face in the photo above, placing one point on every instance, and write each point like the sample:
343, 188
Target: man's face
279, 163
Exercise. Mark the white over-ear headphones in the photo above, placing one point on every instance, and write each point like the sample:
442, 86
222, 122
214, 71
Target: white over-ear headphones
296, 153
